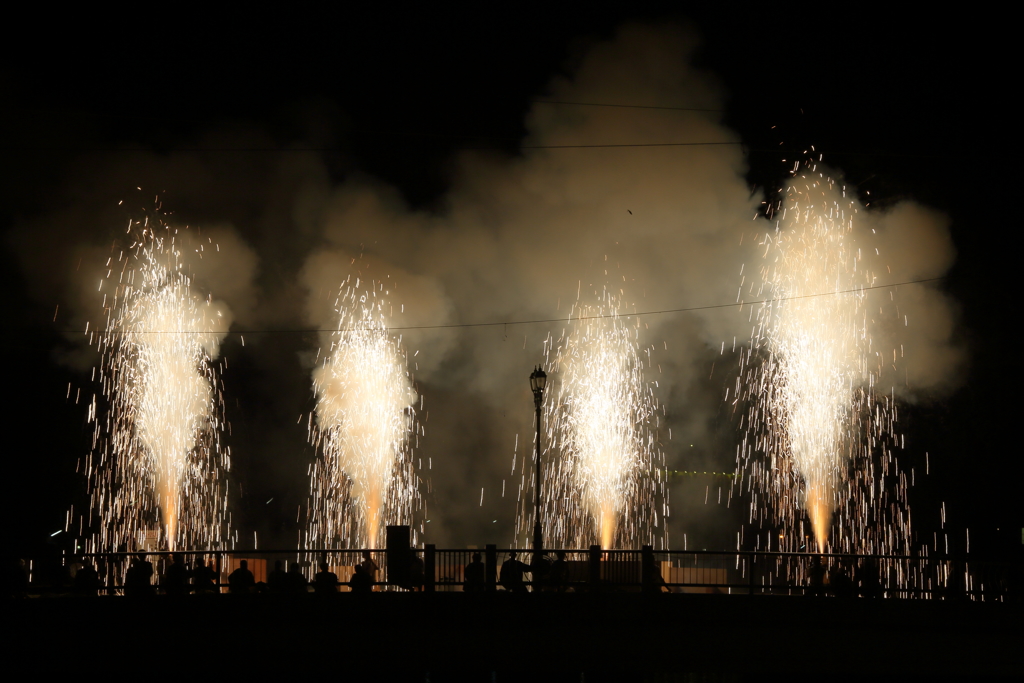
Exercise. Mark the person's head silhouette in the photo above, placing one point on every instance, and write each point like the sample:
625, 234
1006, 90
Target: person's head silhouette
277, 565
476, 557
323, 566
244, 564
512, 555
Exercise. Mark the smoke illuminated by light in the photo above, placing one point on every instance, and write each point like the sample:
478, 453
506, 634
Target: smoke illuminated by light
812, 378
157, 464
364, 428
600, 484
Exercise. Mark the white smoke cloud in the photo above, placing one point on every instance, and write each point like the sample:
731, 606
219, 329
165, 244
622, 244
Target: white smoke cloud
516, 239
913, 243
668, 226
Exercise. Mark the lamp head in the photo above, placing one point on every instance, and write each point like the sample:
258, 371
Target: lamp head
538, 380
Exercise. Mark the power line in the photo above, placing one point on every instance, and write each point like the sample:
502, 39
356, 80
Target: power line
642, 144
482, 147
492, 147
623, 106
126, 115
145, 150
664, 311
537, 321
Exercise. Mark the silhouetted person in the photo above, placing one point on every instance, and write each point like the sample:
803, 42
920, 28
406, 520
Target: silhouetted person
511, 577
558, 577
369, 566
137, 579
72, 572
839, 583
204, 578
475, 575
241, 580
416, 571
297, 584
277, 582
325, 580
539, 568
868, 578
15, 578
654, 582
816, 578
361, 581
87, 581
176, 577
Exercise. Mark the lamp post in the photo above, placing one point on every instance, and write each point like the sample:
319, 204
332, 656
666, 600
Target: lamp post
537, 382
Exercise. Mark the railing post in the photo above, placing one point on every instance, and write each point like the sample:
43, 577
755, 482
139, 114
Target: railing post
429, 575
595, 566
648, 582
491, 567
397, 567
750, 579
961, 586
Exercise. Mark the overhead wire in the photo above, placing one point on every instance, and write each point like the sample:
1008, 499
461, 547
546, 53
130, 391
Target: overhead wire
473, 148
623, 106
738, 304
146, 150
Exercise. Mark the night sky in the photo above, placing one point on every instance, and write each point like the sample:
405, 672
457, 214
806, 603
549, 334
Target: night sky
225, 119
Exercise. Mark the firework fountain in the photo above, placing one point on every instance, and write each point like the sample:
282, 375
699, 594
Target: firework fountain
811, 376
365, 426
603, 484
157, 463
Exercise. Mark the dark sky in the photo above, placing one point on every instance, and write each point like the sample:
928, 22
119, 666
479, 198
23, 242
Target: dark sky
909, 108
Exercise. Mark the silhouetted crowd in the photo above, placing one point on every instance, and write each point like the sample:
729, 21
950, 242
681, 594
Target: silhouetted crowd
837, 579
201, 578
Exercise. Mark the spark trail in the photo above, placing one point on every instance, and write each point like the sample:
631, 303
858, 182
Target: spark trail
811, 376
599, 486
157, 462
365, 426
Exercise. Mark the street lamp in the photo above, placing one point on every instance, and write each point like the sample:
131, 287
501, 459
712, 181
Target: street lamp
537, 382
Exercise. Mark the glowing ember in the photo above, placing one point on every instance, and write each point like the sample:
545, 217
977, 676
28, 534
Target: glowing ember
600, 485
365, 418
157, 463
814, 410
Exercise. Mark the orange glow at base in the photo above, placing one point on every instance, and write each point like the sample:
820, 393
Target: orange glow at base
373, 517
169, 511
607, 530
820, 511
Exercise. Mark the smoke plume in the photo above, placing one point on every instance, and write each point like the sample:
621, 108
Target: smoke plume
516, 238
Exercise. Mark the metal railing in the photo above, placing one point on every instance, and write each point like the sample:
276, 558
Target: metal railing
430, 569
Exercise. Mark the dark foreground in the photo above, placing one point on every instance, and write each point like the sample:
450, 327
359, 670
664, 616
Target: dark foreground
498, 637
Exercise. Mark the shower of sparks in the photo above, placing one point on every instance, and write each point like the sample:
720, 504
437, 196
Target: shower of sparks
601, 484
157, 470
365, 427
811, 379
